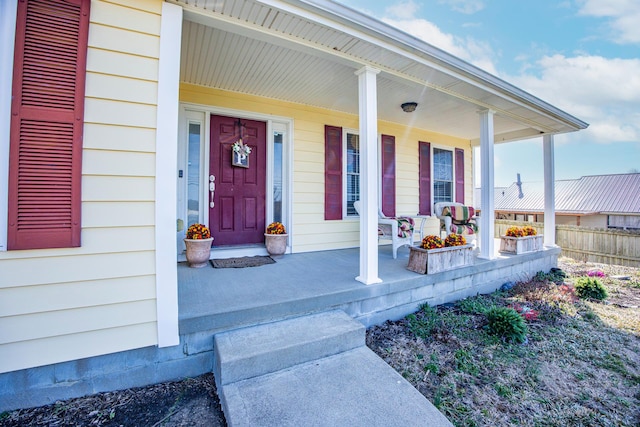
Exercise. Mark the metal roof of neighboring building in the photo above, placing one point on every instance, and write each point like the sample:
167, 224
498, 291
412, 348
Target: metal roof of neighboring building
592, 194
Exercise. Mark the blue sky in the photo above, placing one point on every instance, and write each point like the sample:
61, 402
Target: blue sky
582, 56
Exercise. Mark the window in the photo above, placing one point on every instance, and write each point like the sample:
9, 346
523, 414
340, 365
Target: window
193, 173
278, 138
342, 171
442, 175
352, 167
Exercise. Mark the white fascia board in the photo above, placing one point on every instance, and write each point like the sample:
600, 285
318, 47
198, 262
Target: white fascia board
348, 20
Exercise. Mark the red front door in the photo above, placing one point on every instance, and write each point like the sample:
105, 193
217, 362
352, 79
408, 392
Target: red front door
238, 213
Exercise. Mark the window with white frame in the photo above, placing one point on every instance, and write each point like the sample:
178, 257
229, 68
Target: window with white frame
278, 143
442, 175
194, 144
352, 171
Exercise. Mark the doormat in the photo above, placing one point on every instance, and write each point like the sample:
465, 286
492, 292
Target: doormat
247, 261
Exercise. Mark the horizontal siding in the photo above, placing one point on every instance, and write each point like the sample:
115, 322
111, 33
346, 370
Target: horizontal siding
70, 295
124, 17
150, 6
25, 354
122, 64
119, 113
118, 214
311, 231
126, 89
38, 271
64, 304
107, 162
119, 40
101, 188
119, 138
70, 321
95, 241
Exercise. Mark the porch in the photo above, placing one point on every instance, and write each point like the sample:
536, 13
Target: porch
213, 300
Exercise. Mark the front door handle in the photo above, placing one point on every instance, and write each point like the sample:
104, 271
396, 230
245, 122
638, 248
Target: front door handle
212, 189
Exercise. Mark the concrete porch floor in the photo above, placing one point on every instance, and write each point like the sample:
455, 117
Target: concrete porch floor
216, 300
212, 299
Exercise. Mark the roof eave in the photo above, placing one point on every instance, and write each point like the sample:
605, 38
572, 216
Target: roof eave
378, 29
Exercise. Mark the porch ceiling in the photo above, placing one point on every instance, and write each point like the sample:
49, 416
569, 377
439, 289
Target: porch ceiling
307, 52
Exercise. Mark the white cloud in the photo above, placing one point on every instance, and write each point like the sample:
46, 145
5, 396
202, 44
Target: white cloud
403, 10
624, 17
601, 91
471, 50
464, 6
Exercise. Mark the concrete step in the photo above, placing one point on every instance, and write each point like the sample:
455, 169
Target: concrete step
313, 371
263, 349
354, 388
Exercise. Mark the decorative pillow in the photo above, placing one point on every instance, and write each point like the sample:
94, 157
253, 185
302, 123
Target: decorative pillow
459, 213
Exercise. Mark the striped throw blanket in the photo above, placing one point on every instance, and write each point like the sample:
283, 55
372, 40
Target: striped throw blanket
405, 227
466, 228
462, 221
459, 213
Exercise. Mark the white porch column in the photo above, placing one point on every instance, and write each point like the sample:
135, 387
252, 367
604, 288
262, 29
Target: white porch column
487, 216
368, 111
166, 187
549, 191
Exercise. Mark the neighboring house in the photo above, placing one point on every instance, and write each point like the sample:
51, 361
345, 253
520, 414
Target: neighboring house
116, 125
597, 201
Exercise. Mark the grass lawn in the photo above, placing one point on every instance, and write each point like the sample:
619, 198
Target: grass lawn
579, 364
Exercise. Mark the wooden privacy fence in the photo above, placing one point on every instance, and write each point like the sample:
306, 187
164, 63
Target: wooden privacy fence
607, 246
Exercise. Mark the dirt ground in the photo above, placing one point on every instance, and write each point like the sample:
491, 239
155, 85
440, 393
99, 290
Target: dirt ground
194, 402
191, 402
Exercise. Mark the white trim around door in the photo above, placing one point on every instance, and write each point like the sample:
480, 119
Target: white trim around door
279, 133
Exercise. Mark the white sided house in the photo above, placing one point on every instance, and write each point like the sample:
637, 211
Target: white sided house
116, 124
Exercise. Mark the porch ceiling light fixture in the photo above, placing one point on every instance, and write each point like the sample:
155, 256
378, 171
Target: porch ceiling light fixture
409, 107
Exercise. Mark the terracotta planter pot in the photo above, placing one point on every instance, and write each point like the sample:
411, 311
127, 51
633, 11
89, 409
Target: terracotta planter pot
276, 243
198, 251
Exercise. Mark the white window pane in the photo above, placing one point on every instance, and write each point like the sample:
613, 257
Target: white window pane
277, 176
353, 172
193, 174
442, 175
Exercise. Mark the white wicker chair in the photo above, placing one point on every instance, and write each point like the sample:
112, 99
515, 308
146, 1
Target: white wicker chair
388, 230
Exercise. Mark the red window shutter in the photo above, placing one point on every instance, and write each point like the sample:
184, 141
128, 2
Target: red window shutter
459, 175
424, 149
46, 124
332, 172
389, 175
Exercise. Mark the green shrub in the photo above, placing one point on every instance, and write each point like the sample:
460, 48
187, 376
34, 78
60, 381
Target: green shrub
590, 287
506, 323
476, 305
